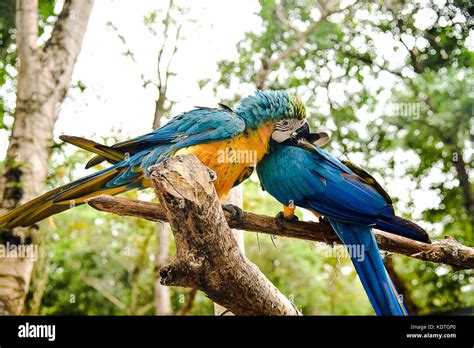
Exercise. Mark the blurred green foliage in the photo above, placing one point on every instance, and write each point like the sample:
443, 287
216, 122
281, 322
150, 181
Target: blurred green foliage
431, 119
412, 117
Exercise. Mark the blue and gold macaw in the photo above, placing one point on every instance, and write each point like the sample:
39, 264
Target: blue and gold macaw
204, 132
299, 173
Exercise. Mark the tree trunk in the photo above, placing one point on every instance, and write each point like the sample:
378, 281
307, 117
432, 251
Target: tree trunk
162, 293
159, 109
401, 287
236, 198
464, 182
43, 79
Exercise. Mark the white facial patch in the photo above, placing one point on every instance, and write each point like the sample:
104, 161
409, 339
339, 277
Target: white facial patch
286, 129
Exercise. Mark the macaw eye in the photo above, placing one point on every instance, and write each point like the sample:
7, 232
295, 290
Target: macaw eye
285, 123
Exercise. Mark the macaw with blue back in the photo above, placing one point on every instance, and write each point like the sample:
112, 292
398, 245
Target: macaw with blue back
298, 173
204, 132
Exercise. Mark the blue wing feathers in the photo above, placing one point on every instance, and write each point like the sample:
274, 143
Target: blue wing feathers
322, 183
326, 185
190, 128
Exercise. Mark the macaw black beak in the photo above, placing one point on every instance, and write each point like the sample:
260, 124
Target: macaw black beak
318, 139
301, 133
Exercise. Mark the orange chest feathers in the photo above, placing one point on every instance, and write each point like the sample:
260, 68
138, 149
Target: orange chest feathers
232, 159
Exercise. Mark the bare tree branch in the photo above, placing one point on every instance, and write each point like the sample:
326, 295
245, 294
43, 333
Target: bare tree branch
96, 285
370, 61
271, 64
446, 251
173, 54
281, 16
188, 305
143, 309
166, 22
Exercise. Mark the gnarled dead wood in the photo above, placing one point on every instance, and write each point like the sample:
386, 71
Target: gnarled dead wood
208, 257
447, 251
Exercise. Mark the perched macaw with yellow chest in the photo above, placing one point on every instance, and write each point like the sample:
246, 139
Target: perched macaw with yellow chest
215, 136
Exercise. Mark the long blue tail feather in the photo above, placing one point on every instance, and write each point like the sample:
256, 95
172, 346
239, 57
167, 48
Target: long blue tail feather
403, 227
370, 268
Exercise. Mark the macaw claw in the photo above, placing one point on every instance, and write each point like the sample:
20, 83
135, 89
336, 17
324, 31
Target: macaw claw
323, 220
236, 212
281, 218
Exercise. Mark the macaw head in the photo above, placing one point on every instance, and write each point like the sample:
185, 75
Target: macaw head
290, 132
256, 110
